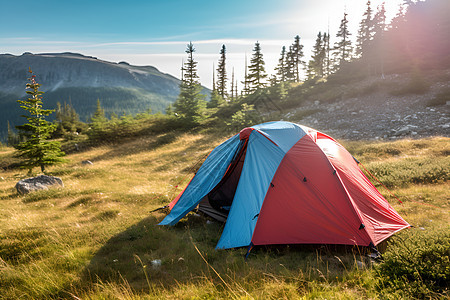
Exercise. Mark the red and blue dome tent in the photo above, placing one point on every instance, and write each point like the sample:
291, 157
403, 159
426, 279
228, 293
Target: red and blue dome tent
283, 183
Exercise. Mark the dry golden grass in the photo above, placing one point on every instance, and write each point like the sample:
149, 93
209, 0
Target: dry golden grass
96, 238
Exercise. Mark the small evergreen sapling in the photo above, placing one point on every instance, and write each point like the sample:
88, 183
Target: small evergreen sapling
37, 150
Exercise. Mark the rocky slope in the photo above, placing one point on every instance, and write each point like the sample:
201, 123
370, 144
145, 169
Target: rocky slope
380, 114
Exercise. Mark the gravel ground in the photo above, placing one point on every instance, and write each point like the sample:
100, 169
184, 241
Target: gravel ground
379, 116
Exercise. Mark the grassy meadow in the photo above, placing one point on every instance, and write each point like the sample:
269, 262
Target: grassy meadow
96, 238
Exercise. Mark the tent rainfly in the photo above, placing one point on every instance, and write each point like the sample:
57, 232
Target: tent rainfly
283, 183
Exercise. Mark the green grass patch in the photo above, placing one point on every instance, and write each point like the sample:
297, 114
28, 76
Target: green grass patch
411, 171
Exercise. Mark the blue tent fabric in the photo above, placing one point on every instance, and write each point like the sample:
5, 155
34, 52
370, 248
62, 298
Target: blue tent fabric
284, 134
207, 177
249, 196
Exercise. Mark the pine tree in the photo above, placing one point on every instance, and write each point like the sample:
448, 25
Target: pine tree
377, 45
396, 55
344, 46
37, 150
364, 32
379, 22
190, 101
290, 65
278, 89
246, 90
99, 119
297, 55
98, 123
282, 66
214, 80
399, 20
67, 119
222, 74
13, 138
257, 72
233, 90
316, 64
216, 99
327, 50
169, 110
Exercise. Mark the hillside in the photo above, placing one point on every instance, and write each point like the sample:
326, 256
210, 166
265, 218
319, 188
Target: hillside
97, 239
378, 108
81, 80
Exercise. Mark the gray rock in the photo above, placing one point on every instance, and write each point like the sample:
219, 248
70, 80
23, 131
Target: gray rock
404, 130
87, 163
360, 264
41, 182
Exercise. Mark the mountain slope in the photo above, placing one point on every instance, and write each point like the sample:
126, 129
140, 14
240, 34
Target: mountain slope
81, 80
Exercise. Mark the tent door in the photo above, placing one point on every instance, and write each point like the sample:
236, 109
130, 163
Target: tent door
218, 202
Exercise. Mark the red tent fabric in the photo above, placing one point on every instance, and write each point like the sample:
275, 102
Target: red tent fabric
320, 196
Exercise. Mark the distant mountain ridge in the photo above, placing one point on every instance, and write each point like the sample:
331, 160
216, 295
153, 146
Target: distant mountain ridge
62, 70
81, 80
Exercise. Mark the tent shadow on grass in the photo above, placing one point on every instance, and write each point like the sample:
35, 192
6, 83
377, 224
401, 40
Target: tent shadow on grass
127, 257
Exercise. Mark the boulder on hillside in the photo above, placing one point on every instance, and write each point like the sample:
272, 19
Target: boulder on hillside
41, 182
87, 163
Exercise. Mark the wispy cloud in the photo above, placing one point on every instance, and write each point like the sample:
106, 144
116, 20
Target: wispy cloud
33, 41
195, 42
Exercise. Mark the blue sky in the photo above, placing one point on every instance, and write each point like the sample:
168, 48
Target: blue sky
156, 32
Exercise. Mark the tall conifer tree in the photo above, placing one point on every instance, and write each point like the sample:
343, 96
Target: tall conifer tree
282, 66
297, 56
190, 101
246, 82
316, 64
222, 74
216, 99
214, 80
257, 72
13, 138
37, 150
327, 50
290, 65
343, 47
377, 45
364, 32
233, 87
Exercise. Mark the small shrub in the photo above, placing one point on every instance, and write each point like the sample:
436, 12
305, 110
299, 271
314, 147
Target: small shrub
247, 116
167, 138
440, 99
377, 86
416, 85
107, 214
417, 265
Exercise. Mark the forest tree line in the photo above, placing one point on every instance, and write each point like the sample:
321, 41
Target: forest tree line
414, 40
